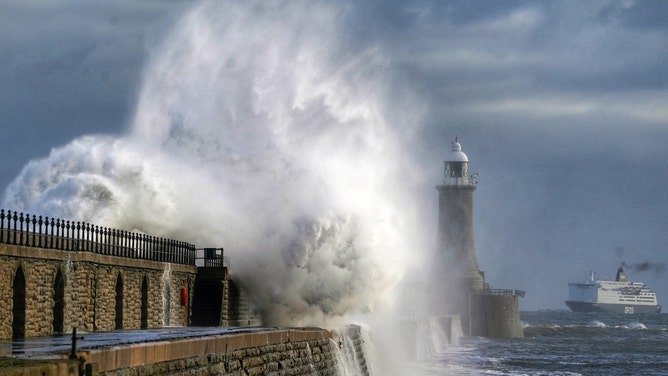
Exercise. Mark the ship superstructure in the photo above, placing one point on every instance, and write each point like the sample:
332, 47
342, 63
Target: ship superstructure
618, 296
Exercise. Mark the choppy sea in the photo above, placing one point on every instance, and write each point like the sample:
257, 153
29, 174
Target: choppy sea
560, 343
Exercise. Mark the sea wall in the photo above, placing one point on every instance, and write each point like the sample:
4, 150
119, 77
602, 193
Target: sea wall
278, 352
496, 316
291, 352
503, 317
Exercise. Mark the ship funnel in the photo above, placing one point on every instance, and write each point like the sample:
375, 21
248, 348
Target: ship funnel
621, 276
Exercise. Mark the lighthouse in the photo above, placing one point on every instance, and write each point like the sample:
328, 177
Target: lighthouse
456, 242
457, 286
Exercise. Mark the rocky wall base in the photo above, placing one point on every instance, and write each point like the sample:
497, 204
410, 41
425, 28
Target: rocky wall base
495, 316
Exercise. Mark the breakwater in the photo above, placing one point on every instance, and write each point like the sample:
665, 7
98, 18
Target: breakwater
294, 352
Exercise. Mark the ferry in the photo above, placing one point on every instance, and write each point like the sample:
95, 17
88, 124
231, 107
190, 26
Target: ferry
618, 296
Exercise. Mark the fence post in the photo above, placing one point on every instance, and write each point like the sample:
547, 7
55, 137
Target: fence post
107, 240
89, 238
152, 247
15, 218
133, 248
137, 247
148, 241
96, 231
156, 248
128, 243
40, 221
2, 225
59, 233
78, 236
123, 241
21, 218
112, 241
34, 232
68, 239
103, 239
141, 241
89, 247
51, 238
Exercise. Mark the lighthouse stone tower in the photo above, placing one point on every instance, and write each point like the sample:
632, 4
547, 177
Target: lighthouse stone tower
457, 286
456, 243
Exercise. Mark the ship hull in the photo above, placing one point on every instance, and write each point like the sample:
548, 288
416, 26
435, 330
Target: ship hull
613, 308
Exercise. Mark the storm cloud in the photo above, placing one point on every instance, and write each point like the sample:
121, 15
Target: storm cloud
561, 107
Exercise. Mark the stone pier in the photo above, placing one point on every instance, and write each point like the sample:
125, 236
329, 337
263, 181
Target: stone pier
294, 352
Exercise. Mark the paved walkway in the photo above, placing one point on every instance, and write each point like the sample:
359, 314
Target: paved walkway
56, 346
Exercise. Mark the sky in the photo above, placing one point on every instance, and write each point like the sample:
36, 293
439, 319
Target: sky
561, 107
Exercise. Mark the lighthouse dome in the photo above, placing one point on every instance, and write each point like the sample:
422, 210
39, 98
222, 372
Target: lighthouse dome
457, 155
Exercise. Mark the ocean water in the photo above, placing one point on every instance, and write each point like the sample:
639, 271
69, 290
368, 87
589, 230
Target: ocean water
560, 343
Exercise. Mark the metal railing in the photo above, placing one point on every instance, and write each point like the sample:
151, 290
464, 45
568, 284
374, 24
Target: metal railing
211, 258
54, 233
503, 292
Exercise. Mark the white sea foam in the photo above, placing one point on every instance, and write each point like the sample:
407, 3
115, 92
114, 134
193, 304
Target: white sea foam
259, 129
636, 325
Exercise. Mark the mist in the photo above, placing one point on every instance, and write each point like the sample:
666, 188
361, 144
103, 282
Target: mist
286, 151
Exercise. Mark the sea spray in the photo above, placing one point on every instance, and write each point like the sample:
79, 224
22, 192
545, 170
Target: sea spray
350, 355
167, 295
457, 331
261, 129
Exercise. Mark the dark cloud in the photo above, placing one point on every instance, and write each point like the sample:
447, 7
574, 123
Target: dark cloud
561, 107
640, 14
68, 69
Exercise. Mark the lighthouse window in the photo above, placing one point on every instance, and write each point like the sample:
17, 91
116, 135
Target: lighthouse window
455, 169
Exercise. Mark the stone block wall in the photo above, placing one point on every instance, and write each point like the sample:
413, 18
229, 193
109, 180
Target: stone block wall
495, 316
503, 317
41, 367
89, 291
298, 358
39, 279
285, 352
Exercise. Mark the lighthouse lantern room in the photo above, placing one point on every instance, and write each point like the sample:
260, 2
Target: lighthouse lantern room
456, 167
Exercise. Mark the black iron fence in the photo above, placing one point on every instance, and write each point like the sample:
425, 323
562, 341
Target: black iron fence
54, 233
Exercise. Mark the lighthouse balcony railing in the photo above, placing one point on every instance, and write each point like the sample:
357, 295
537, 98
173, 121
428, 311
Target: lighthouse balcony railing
53, 233
503, 292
